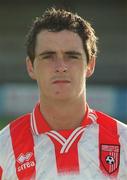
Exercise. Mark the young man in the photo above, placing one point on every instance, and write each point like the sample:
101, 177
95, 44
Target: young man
63, 138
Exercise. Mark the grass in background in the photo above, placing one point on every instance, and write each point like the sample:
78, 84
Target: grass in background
4, 120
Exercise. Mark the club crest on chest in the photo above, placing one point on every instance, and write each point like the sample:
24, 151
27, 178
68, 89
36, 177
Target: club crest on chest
110, 157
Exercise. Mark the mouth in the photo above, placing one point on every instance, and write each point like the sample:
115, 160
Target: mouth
61, 82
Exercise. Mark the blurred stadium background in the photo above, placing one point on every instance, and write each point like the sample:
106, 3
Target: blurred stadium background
106, 90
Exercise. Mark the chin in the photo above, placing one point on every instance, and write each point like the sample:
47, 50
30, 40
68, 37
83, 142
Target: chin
62, 96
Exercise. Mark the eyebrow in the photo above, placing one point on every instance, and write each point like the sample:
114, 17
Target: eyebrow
47, 53
66, 52
73, 53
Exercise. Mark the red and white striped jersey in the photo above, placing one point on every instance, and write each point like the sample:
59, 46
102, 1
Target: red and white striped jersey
30, 149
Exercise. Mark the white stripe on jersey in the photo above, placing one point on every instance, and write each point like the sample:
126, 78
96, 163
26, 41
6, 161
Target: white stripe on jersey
122, 130
73, 139
31, 122
66, 143
7, 151
59, 135
89, 154
92, 116
56, 136
34, 122
45, 158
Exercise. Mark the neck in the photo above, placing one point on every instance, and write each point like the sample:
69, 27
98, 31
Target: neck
63, 114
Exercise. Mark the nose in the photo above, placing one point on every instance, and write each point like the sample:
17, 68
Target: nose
60, 65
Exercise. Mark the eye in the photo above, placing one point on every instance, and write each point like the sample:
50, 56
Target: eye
73, 57
45, 57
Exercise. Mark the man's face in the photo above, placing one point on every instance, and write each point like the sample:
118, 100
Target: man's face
60, 65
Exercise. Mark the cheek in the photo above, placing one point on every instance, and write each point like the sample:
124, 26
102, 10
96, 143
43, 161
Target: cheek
80, 71
44, 78
41, 71
79, 78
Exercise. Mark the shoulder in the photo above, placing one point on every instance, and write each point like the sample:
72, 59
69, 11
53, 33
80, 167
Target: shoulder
20, 123
105, 119
110, 123
12, 132
14, 129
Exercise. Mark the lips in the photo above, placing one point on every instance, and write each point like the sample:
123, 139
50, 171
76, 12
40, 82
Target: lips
60, 81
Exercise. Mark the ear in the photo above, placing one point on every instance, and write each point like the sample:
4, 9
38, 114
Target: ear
30, 68
90, 67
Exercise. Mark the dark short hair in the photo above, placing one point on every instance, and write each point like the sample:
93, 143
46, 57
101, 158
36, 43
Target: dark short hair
56, 20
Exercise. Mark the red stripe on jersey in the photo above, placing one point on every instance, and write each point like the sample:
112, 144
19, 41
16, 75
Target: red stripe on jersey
1, 172
23, 147
109, 150
67, 161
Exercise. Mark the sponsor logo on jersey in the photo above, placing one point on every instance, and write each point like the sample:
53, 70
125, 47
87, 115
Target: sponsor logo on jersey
25, 161
110, 157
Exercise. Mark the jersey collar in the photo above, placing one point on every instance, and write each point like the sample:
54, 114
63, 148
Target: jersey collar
39, 124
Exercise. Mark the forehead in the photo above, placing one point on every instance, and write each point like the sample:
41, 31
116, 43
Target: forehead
63, 40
